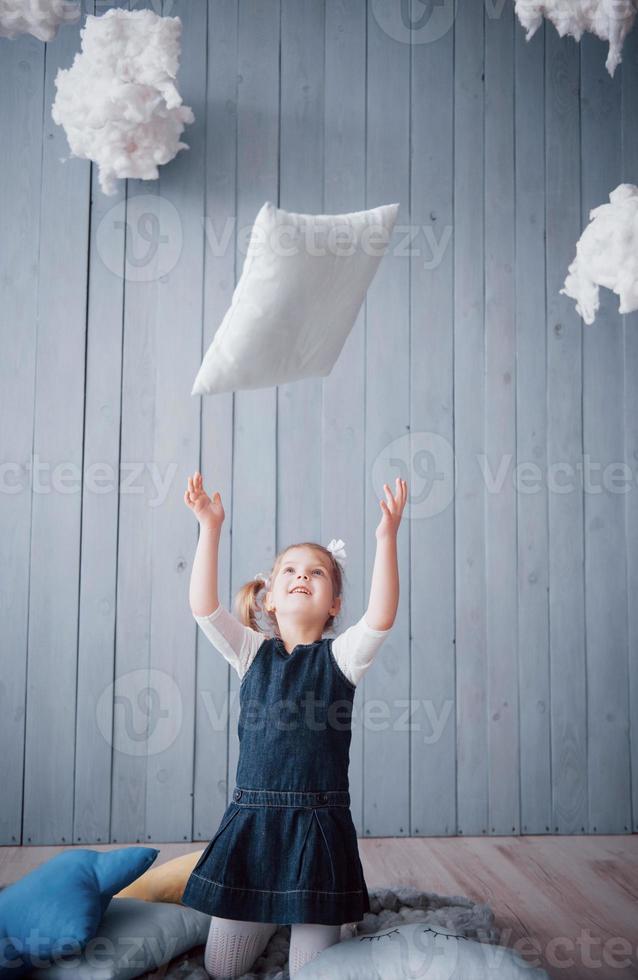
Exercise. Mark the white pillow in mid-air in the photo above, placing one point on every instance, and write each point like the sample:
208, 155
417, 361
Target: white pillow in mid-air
304, 280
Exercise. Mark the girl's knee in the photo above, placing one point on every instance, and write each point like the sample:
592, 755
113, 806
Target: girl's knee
233, 946
308, 940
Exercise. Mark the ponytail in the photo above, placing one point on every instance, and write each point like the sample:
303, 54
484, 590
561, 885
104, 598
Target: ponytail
247, 605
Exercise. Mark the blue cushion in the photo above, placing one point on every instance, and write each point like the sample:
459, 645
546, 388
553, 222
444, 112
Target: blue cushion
58, 906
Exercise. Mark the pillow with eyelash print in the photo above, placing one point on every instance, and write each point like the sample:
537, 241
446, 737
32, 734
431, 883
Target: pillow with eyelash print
304, 280
418, 949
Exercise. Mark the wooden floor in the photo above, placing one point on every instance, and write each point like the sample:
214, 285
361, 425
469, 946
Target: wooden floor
575, 898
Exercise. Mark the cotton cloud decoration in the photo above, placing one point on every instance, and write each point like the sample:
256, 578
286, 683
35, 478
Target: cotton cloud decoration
610, 20
607, 255
118, 102
42, 18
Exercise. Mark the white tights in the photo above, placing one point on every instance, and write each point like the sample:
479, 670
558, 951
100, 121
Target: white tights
233, 945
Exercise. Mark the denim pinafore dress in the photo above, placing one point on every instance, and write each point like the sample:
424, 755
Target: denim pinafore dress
286, 847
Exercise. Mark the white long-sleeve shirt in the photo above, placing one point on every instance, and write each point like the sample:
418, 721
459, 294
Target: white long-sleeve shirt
354, 649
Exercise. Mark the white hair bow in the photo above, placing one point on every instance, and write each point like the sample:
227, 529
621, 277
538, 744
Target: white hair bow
338, 550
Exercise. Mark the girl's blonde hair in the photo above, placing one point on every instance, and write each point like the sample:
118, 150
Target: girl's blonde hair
247, 605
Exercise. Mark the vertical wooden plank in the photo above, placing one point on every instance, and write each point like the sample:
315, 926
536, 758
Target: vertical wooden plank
299, 455
57, 501
500, 427
387, 688
629, 124
255, 418
342, 407
21, 108
212, 706
174, 534
531, 437
98, 579
469, 407
99, 538
564, 443
603, 446
429, 462
133, 708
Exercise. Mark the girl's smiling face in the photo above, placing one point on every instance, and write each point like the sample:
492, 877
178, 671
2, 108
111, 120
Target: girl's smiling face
302, 589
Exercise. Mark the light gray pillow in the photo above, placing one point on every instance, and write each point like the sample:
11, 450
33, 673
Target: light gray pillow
304, 279
418, 950
134, 937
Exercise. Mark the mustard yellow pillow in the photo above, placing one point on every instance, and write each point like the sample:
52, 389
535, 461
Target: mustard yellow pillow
164, 883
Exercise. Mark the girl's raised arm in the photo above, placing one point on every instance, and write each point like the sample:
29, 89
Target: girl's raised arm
355, 649
203, 595
237, 643
384, 588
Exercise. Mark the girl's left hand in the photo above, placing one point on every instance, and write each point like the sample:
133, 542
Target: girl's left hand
392, 509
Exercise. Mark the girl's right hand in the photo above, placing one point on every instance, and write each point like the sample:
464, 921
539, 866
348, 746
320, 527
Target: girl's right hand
209, 513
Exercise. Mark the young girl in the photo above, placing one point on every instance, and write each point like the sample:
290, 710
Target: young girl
285, 851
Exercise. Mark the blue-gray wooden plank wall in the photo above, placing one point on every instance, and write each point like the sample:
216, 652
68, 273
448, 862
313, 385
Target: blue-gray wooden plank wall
505, 700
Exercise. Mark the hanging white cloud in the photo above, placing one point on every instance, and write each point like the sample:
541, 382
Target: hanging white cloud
118, 102
42, 18
610, 20
607, 255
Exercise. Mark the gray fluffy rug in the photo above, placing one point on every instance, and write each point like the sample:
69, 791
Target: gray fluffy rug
389, 907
